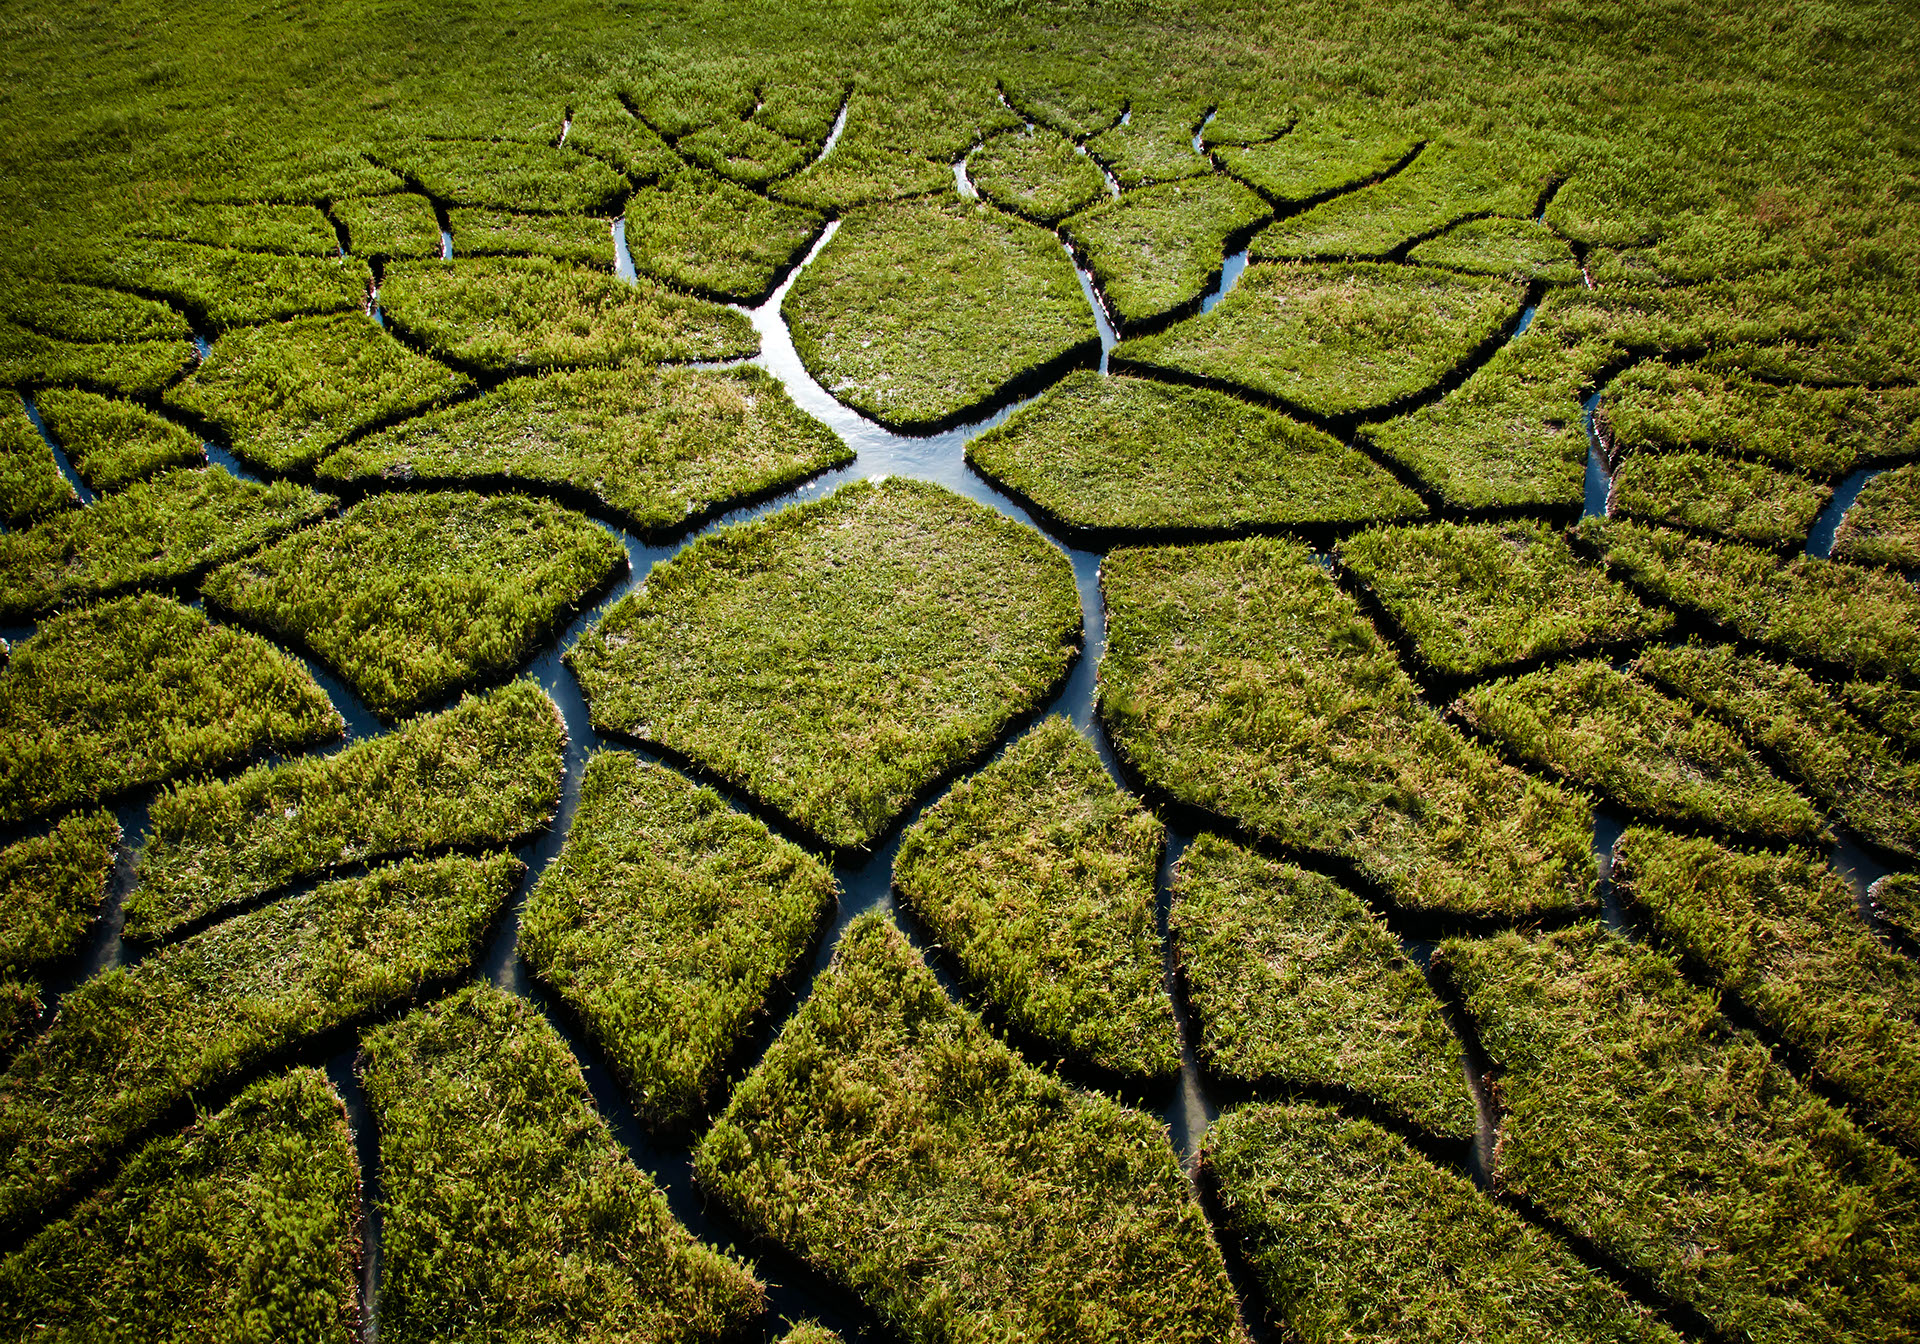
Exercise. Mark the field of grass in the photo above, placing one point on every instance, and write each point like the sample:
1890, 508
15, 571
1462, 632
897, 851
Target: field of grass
1037, 874
1039, 175
132, 368
223, 289
294, 230
505, 174
891, 1141
1295, 983
579, 239
1519, 249
1324, 154
31, 485
837, 658
715, 239
509, 1211
54, 884
129, 693
113, 443
1638, 1119
668, 923
1239, 679
410, 597
133, 1045
391, 227
1896, 898
1705, 492
85, 313
1883, 525
482, 775
1154, 252
1353, 1235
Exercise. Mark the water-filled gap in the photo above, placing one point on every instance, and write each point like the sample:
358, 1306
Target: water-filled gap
60, 458
1861, 870
446, 243
1106, 173
1599, 482
1827, 524
622, 258
1190, 1110
1200, 131
1102, 319
1232, 267
1526, 320
1608, 826
366, 1149
961, 182
833, 135
566, 125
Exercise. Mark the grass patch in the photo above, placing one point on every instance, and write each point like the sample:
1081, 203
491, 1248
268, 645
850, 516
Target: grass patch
303, 174
133, 1044
54, 884
837, 658
507, 175
113, 443
1865, 621
1038, 874
31, 485
19, 1013
1293, 981
1152, 145
579, 239
1636, 1118
604, 128
920, 314
1518, 249
888, 1139
137, 368
744, 152
511, 1212
1707, 493
901, 139
698, 233
242, 1227
393, 226
1328, 152
1332, 340
1883, 525
1354, 1235
224, 289
1036, 174
296, 230
162, 531
84, 313
1124, 454
1782, 931
136, 691
526, 314
412, 596
1154, 252
1896, 898
657, 447
484, 774
283, 395
668, 922
1239, 679
1473, 597
1652, 755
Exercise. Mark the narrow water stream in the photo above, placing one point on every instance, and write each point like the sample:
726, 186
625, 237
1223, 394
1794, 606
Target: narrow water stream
60, 458
1599, 486
1827, 524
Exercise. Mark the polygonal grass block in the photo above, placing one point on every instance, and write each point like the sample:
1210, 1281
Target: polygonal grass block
1519, 249
112, 443
1883, 525
1151, 145
129, 368
1324, 154
579, 239
223, 288
1036, 174
54, 884
507, 175
1154, 252
250, 226
394, 226
716, 239
1704, 492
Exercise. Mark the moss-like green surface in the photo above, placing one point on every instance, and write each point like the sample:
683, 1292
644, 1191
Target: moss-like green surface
31, 485
1239, 679
579, 239
667, 922
837, 658
1321, 155
510, 1211
86, 313
1294, 982
515, 315
919, 314
1882, 527
112, 443
1445, 184
53, 887
1473, 597
283, 395
399, 225
888, 1139
655, 447
252, 227
1520, 249
1704, 492
1636, 1118
130, 369
1036, 174
743, 151
411, 596
242, 1227
506, 175
1897, 899
223, 289
1121, 454
1333, 340
1038, 874
484, 774
1784, 933
19, 1013
134, 1043
604, 128
1153, 144
902, 135
159, 531
1155, 251
136, 691
713, 238
1353, 1235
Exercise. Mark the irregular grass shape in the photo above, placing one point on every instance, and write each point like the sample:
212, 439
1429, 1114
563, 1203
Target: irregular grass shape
133, 369
1445, 184
1706, 493
297, 230
1519, 249
1897, 899
507, 175
1155, 251
1152, 145
31, 484
1040, 176
605, 129
113, 443
743, 152
1322, 155
669, 923
715, 239
54, 884
225, 289
86, 313
579, 239
395, 226
1883, 525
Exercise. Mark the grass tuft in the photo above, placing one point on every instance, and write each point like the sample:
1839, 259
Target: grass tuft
1703, 492
113, 443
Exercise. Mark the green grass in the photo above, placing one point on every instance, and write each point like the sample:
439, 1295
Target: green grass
1124, 454
903, 133
837, 658
1037, 874
506, 175
1893, 709
1353, 1235
394, 226
919, 314
295, 171
1637, 1119
580, 239
134, 1043
521, 315
1783, 932
84, 313
54, 884
511, 1213
1295, 983
1657, 757
1473, 597
484, 774
890, 1141
669, 923
1845, 765
284, 395
242, 1227
1074, 108
712, 238
656, 447
744, 152
19, 1013
31, 485
131, 369
1332, 340
1155, 251
1154, 145
1864, 621
113, 443
224, 289
808, 1333
1239, 679
1896, 897
296, 230
1036, 174
412, 596
1323, 154
1883, 525
162, 531
605, 129
1704, 492
1519, 249
133, 692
